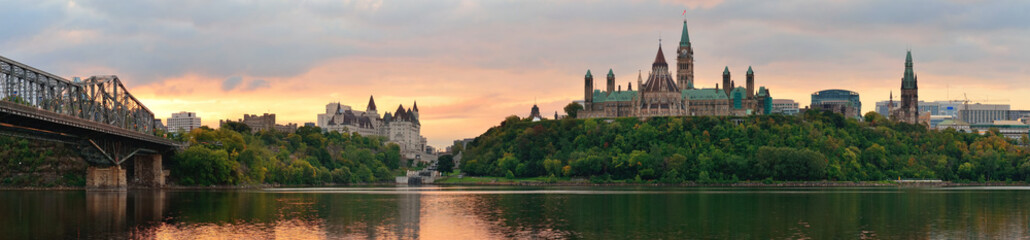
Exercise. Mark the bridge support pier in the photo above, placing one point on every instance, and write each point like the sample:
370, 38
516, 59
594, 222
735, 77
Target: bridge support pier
105, 178
148, 171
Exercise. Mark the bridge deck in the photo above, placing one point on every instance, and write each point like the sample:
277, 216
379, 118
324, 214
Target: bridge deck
27, 116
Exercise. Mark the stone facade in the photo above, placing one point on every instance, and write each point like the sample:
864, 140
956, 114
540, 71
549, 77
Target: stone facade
666, 95
401, 127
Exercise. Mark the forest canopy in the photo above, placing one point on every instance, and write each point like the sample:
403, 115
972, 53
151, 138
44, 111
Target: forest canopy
813, 146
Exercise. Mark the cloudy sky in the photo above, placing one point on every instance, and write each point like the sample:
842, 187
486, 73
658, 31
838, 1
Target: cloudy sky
471, 63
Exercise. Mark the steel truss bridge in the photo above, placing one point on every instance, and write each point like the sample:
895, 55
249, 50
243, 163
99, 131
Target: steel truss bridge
97, 114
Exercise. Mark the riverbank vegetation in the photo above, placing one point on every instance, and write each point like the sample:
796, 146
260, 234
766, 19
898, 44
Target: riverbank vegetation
232, 155
32, 163
811, 147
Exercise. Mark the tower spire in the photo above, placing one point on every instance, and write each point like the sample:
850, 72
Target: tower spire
685, 37
909, 79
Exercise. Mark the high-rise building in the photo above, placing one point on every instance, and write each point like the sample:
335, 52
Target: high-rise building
183, 121
839, 101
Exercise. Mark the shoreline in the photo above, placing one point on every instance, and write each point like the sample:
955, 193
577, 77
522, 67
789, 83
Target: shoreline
563, 183
742, 184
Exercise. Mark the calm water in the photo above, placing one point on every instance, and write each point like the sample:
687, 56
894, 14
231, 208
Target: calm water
522, 212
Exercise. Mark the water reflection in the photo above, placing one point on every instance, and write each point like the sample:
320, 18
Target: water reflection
520, 212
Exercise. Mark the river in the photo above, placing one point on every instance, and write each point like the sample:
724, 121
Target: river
476, 212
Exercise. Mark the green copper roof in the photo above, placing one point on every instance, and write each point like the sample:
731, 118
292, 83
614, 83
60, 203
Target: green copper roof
685, 38
762, 91
909, 80
726, 71
739, 89
703, 94
749, 71
588, 74
610, 73
618, 96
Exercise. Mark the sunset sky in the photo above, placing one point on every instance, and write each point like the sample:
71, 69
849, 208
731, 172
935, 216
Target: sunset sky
471, 63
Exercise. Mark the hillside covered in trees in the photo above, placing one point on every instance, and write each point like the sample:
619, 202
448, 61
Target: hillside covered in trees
232, 155
813, 146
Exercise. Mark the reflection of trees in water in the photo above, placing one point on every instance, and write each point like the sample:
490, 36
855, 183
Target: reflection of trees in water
731, 213
698, 213
77, 214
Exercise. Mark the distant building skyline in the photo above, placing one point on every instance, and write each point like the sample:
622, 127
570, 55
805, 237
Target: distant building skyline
291, 57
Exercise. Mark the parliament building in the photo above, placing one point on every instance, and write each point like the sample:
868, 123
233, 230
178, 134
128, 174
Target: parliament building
664, 94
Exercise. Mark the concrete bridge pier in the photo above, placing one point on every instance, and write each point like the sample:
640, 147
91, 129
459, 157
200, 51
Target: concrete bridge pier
105, 178
146, 172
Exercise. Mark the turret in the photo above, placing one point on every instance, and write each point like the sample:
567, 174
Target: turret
371, 108
726, 80
414, 109
750, 83
588, 89
611, 81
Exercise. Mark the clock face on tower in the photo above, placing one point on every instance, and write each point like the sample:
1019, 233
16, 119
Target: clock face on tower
683, 53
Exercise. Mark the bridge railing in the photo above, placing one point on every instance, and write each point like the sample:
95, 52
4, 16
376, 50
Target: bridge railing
102, 99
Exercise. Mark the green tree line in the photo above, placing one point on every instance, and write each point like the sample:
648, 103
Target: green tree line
232, 155
813, 146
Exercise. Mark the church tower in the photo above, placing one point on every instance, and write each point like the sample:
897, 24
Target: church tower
611, 81
909, 93
588, 90
685, 61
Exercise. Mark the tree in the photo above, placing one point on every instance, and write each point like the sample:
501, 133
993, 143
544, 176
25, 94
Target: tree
199, 165
236, 126
573, 109
875, 118
445, 163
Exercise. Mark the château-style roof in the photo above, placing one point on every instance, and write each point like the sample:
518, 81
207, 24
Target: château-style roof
371, 103
415, 106
348, 117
